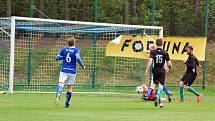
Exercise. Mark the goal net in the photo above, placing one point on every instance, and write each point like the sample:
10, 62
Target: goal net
28, 47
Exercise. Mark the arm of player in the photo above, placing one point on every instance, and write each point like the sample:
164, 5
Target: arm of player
148, 66
78, 58
165, 67
198, 64
169, 63
59, 57
191, 64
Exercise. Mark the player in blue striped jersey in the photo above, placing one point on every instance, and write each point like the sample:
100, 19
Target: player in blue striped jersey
69, 56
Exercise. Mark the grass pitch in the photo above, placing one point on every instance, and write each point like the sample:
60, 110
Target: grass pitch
41, 107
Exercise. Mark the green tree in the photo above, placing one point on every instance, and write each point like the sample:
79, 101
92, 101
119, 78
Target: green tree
211, 21
8, 6
126, 12
41, 8
110, 11
51, 9
66, 9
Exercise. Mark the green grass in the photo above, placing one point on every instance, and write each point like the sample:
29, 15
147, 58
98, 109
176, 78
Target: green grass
41, 107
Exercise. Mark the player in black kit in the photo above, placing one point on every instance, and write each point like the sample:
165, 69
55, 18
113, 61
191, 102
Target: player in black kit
190, 75
158, 58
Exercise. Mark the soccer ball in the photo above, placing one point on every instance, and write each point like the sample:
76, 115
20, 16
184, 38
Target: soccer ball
139, 89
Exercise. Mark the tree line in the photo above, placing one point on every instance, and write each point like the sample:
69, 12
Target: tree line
178, 17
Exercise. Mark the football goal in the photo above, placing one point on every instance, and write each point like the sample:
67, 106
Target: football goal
28, 47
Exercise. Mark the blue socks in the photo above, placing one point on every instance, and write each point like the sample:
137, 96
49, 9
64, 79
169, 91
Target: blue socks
68, 97
166, 91
59, 90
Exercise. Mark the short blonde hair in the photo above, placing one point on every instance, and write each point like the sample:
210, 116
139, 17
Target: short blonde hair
71, 41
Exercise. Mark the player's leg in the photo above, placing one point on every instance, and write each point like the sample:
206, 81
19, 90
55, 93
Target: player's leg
62, 78
58, 92
182, 82
158, 95
181, 91
156, 91
68, 95
156, 86
161, 80
167, 93
188, 87
192, 90
151, 87
160, 90
71, 81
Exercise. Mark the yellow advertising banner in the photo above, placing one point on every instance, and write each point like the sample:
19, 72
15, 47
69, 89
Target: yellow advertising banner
137, 47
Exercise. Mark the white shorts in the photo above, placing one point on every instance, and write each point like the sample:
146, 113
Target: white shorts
67, 78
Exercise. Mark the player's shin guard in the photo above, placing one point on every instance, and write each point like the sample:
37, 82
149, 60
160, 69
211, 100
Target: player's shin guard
158, 97
159, 92
149, 92
59, 90
193, 91
68, 97
166, 91
181, 93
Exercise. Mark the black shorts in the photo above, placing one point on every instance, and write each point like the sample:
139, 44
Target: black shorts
189, 78
159, 77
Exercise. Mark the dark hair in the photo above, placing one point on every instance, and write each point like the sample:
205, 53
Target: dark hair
71, 41
159, 42
189, 47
